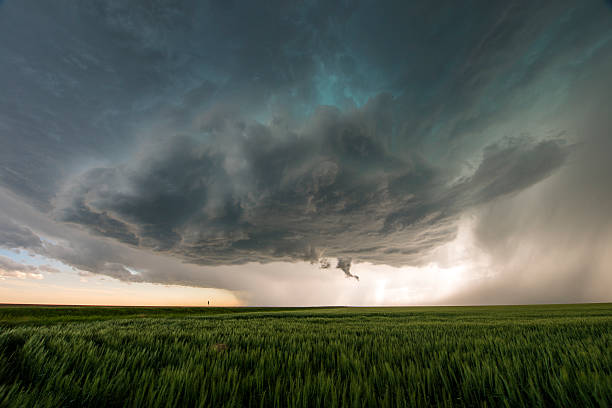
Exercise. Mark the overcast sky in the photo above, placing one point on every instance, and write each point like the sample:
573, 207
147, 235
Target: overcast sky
305, 152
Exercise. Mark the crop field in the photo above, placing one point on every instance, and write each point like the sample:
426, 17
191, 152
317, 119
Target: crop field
514, 356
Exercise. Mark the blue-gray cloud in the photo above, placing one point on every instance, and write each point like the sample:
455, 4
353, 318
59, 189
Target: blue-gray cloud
225, 132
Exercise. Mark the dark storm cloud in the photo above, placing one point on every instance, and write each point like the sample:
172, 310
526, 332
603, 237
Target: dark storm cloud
228, 132
270, 193
513, 167
344, 264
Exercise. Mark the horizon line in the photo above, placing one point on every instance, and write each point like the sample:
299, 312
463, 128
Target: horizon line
294, 307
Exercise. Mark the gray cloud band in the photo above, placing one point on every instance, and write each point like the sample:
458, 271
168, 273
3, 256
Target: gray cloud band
269, 194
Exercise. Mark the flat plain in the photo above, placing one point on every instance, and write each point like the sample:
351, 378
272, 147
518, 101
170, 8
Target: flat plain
514, 356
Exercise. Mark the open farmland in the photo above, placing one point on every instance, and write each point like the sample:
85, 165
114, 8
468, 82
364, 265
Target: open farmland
553, 355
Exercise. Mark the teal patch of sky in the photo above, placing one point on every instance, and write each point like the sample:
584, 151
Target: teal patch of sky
334, 88
331, 87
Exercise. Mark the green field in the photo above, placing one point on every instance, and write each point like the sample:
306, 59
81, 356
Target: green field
515, 356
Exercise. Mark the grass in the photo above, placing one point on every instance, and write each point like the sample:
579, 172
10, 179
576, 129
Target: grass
45, 315
514, 356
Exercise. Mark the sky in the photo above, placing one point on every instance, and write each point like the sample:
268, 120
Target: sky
305, 152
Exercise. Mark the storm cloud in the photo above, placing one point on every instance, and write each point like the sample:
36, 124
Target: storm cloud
223, 133
267, 194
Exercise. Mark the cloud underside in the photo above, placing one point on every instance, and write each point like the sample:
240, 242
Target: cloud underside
334, 188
